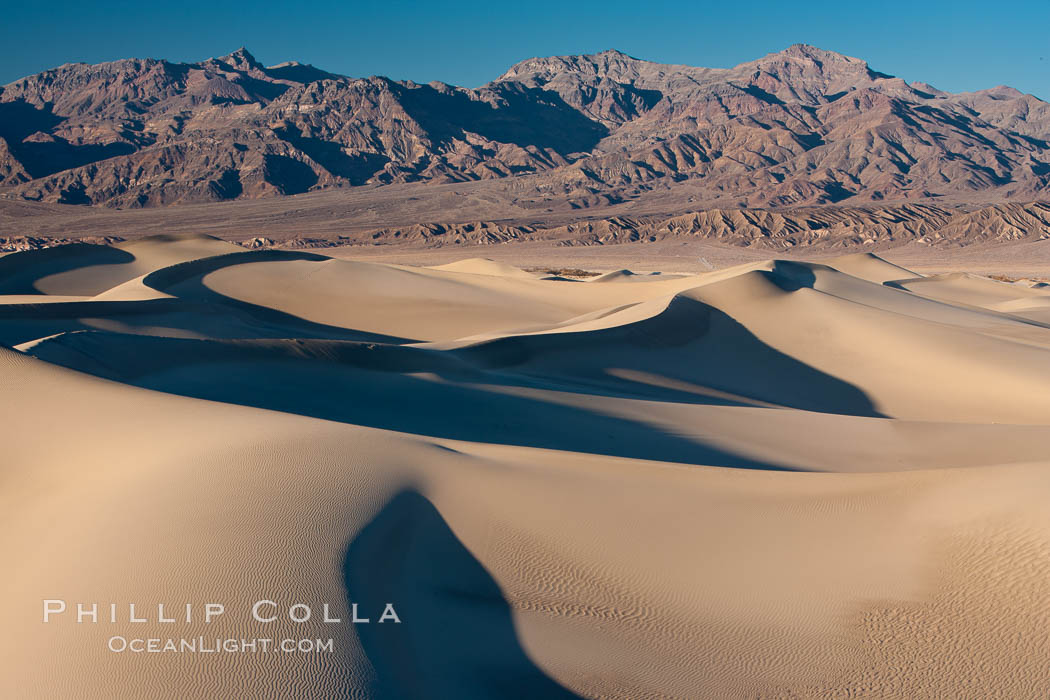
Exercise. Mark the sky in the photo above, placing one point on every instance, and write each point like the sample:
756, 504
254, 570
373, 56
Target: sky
955, 46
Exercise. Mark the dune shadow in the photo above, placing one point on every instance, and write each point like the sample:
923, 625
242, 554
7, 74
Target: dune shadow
189, 278
456, 639
394, 388
529, 391
417, 405
19, 272
165, 320
790, 276
690, 344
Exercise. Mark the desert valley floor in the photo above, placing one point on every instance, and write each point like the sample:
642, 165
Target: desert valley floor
776, 478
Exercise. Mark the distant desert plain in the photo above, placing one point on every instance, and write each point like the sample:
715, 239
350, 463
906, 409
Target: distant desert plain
466, 418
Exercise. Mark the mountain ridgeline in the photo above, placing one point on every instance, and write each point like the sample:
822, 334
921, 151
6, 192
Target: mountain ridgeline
800, 127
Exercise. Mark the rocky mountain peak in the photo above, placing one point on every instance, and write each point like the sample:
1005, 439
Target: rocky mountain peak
610, 63
241, 60
817, 54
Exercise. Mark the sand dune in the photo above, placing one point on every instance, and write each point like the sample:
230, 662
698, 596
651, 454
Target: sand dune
782, 479
868, 266
84, 269
485, 266
962, 288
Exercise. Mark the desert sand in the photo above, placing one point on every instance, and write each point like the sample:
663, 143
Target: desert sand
778, 478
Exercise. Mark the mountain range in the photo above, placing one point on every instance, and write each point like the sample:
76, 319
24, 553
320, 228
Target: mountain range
800, 127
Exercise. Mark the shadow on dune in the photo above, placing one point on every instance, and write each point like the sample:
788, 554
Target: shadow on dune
270, 376
168, 320
528, 390
19, 272
194, 309
689, 343
456, 639
531, 390
165, 278
185, 280
790, 276
163, 320
421, 406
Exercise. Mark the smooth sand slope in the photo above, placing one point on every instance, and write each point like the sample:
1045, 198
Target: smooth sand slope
783, 479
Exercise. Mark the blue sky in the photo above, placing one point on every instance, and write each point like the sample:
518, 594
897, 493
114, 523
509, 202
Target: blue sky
962, 45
